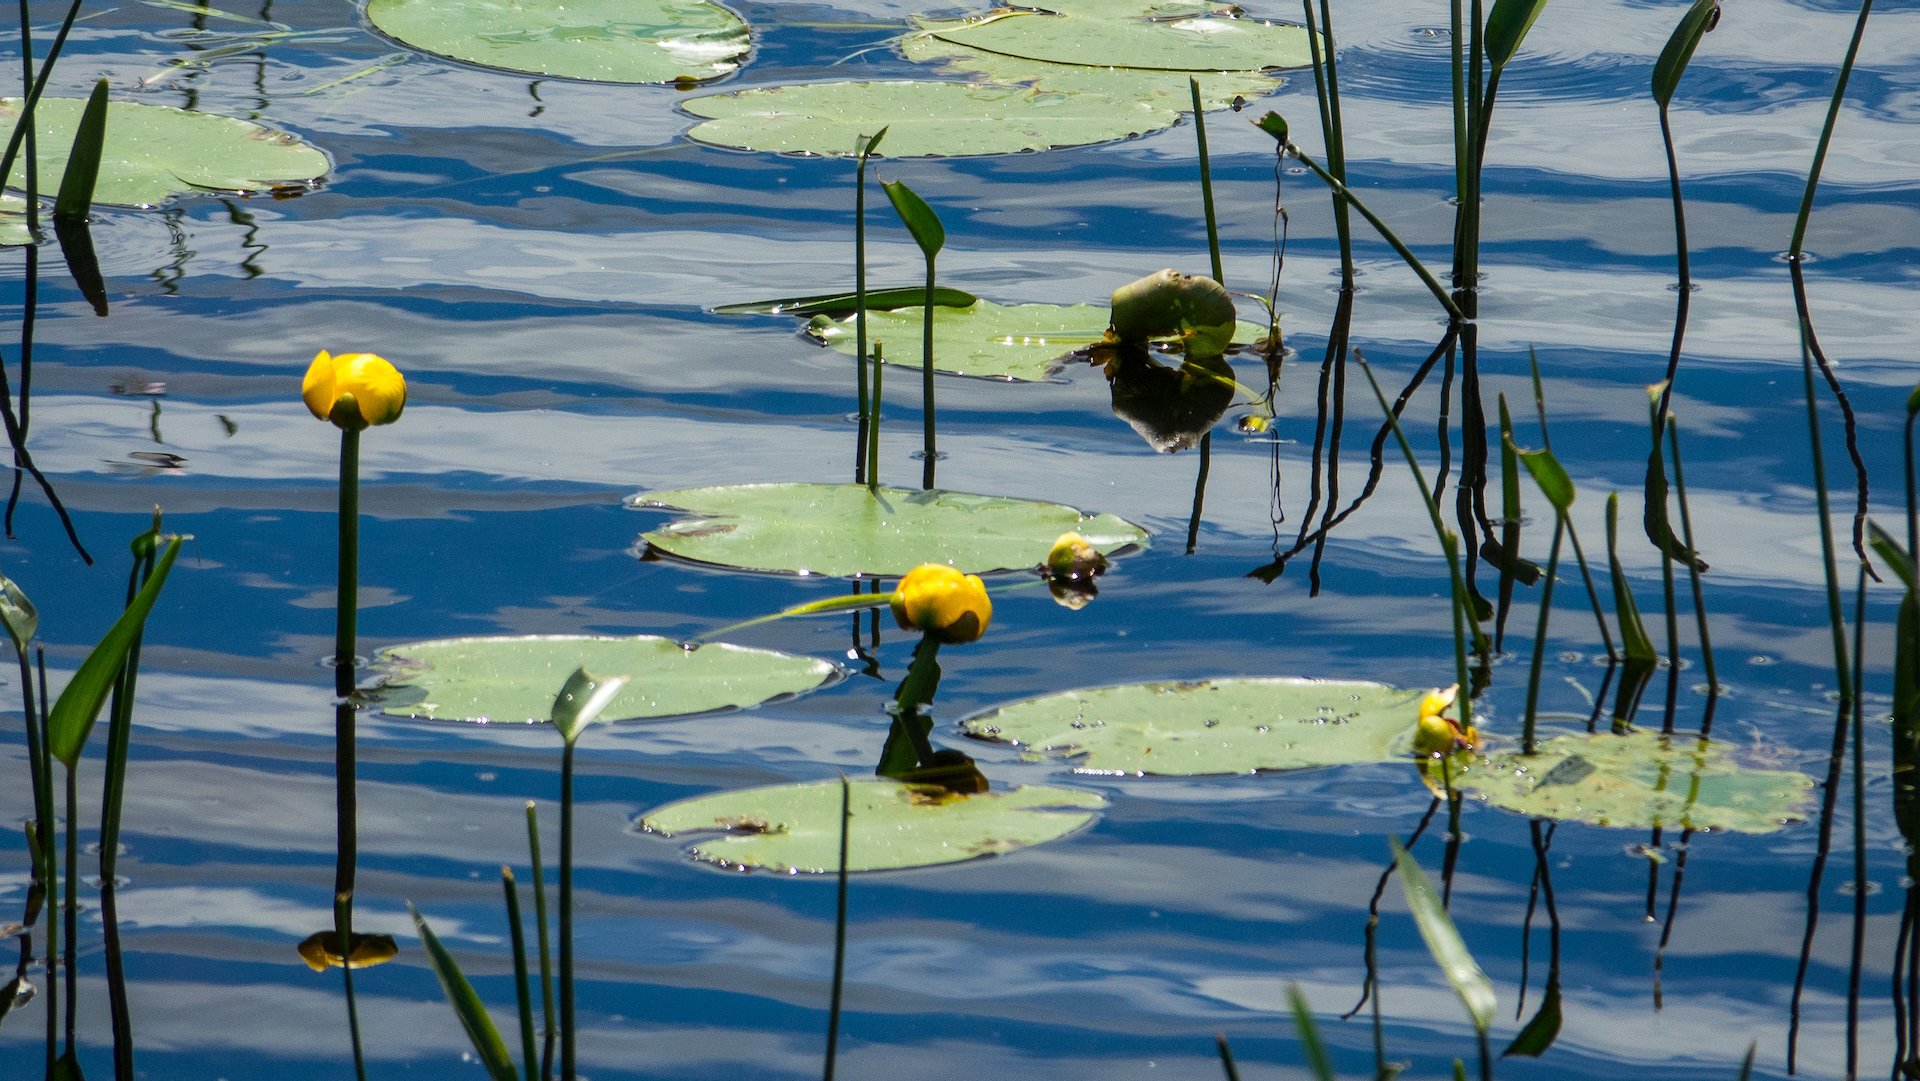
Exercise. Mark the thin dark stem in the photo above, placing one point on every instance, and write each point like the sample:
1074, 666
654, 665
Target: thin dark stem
567, 1034
71, 908
546, 961
523, 994
926, 385
1199, 492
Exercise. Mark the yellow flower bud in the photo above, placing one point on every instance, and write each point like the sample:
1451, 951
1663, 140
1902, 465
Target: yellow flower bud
938, 599
1438, 734
1074, 557
354, 390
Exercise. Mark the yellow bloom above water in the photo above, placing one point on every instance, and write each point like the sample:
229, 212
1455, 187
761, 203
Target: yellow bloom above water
938, 599
1438, 734
354, 390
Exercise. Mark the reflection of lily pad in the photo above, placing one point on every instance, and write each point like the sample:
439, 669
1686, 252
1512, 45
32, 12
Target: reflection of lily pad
796, 828
843, 529
923, 119
1214, 726
514, 679
620, 41
1019, 341
155, 152
1638, 780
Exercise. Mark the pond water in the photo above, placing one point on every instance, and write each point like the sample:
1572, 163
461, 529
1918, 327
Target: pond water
541, 257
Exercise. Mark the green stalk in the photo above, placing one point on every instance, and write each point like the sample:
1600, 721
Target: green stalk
567, 1034
73, 902
1450, 542
873, 422
927, 449
50, 854
1693, 573
865, 150
1795, 248
346, 814
546, 964
1326, 81
1275, 126
1540, 637
119, 737
1206, 179
522, 993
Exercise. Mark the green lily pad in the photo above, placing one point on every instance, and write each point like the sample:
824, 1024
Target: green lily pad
1639, 780
1167, 89
617, 41
513, 680
923, 119
796, 828
1143, 36
1019, 342
1210, 726
155, 152
839, 530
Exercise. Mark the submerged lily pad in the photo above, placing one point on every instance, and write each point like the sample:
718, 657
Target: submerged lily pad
1020, 342
1211, 726
509, 680
1167, 89
840, 530
796, 828
620, 41
1638, 780
923, 119
155, 152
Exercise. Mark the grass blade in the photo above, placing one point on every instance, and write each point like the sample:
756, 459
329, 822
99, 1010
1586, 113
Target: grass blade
487, 1044
1444, 941
1310, 1044
78, 706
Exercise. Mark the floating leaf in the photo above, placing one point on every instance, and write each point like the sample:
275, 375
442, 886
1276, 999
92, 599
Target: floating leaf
1114, 34
511, 680
1212, 726
1639, 780
155, 152
618, 41
796, 828
1166, 89
924, 119
839, 530
1020, 342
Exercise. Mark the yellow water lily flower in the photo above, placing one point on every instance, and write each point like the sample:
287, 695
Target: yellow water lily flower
938, 599
354, 390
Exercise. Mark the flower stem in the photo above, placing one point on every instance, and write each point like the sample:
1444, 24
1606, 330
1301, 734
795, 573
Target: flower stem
346, 831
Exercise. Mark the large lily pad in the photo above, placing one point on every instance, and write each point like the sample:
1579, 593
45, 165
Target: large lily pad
1637, 780
1150, 36
1021, 342
1211, 726
923, 119
513, 680
155, 152
796, 828
620, 41
841, 530
1167, 89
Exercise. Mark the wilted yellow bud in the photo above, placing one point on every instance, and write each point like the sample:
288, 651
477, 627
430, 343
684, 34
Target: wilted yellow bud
1073, 557
1438, 734
354, 390
938, 599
